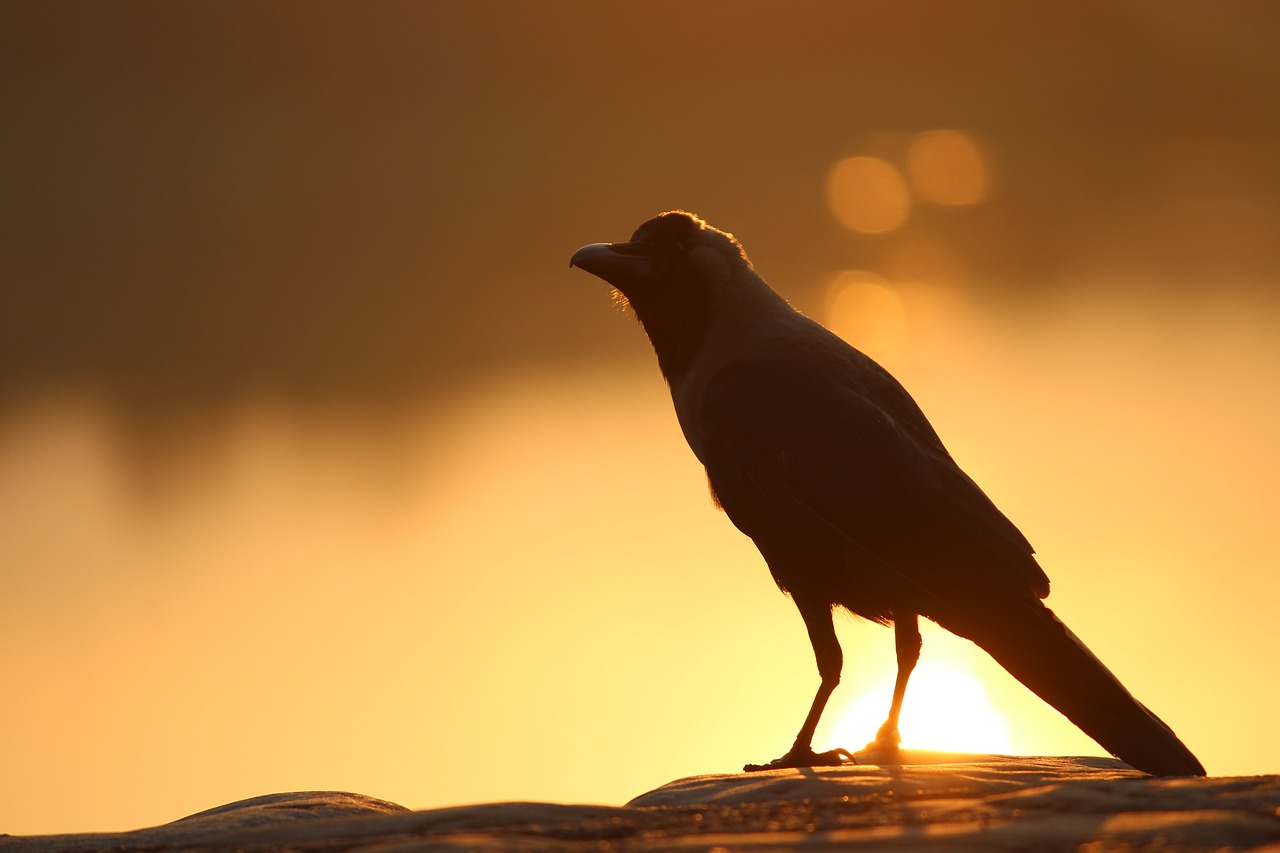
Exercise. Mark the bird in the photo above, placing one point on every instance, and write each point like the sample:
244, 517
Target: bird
823, 459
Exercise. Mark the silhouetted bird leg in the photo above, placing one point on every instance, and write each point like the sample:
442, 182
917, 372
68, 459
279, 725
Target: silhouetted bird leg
906, 640
826, 648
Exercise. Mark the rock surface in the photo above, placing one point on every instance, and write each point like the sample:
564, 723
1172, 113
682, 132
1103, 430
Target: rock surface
931, 801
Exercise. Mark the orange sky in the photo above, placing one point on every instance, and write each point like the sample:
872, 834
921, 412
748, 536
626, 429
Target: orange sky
320, 470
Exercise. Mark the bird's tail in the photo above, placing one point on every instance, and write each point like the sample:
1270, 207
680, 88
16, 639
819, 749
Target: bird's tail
1041, 652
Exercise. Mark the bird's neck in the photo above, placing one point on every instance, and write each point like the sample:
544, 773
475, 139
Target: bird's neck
677, 332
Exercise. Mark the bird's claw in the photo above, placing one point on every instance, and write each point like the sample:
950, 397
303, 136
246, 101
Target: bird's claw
804, 758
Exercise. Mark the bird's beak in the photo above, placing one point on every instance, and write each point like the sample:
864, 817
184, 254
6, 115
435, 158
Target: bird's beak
613, 262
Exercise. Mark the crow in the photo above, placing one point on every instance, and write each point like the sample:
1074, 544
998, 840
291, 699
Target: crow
825, 461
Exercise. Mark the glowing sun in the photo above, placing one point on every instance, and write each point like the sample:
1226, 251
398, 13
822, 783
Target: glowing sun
946, 708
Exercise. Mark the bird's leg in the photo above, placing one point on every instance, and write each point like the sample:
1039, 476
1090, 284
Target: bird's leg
906, 641
826, 648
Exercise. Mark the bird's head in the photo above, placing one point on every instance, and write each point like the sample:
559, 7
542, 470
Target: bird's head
672, 272
675, 256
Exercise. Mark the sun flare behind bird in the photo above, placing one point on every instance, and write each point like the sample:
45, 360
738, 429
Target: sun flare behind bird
815, 452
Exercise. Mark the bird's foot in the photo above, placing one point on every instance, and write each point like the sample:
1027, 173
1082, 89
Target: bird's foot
887, 740
804, 757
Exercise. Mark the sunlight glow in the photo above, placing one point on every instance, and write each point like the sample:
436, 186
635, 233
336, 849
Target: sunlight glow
946, 708
391, 588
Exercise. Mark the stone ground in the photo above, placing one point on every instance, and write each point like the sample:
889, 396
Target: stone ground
930, 801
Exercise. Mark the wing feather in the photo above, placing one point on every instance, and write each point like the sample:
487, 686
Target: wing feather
819, 454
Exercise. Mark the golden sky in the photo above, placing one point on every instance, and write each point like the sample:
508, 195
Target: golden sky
319, 469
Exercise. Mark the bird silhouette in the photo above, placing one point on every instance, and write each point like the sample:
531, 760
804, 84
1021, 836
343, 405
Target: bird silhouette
820, 456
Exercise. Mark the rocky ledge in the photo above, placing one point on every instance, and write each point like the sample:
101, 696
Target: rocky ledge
928, 801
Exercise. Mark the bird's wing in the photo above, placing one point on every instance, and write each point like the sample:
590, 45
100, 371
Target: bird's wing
822, 438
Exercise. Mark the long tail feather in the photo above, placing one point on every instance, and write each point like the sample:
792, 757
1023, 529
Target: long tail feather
1042, 652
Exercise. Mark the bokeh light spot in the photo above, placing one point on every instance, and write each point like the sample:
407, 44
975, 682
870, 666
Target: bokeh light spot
865, 310
947, 167
868, 195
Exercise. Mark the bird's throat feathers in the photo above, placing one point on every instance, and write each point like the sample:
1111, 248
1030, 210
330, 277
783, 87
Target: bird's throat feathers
677, 327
